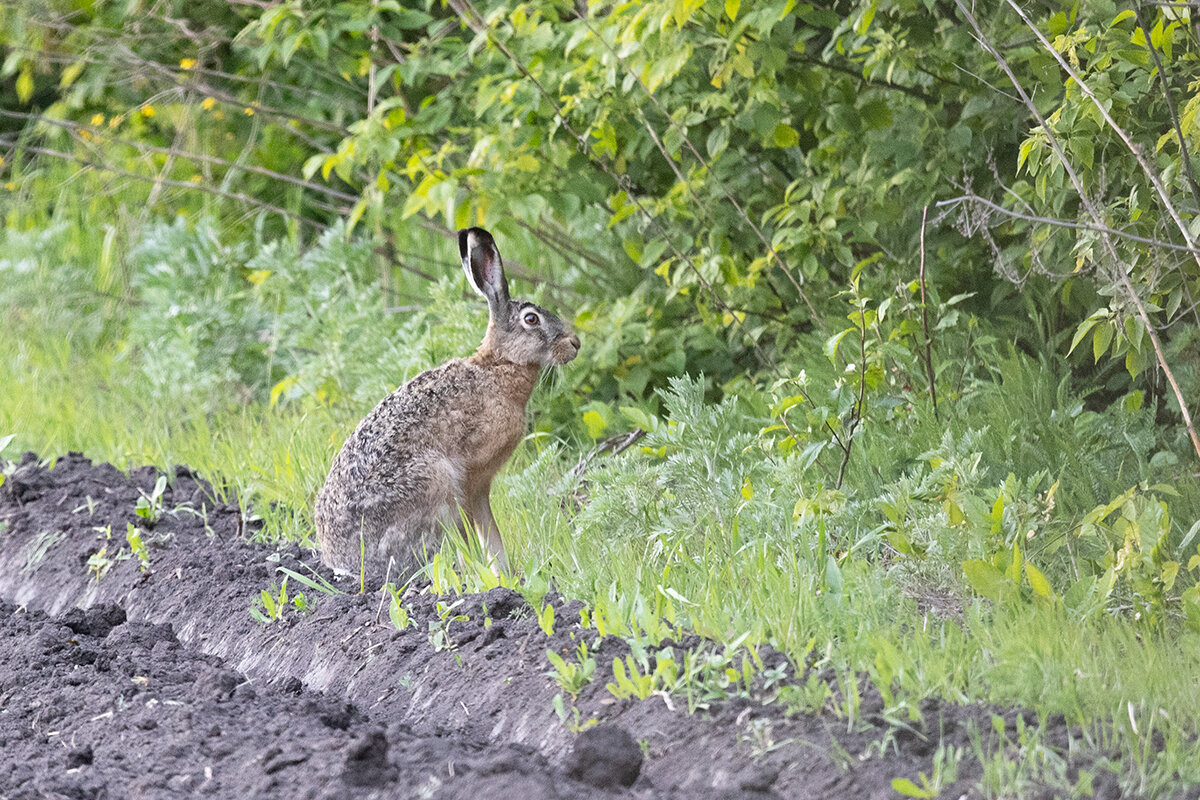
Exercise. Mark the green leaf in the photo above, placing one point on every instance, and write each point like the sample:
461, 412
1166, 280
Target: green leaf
595, 423
1135, 361
831, 345
731, 8
70, 74
864, 22
986, 580
638, 417
1101, 339
1083, 329
25, 84
786, 136
909, 789
1038, 581
355, 215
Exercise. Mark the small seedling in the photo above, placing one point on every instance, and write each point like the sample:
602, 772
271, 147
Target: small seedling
439, 629
316, 583
545, 619
202, 515
99, 563
629, 682
150, 506
133, 535
572, 677
37, 548
274, 606
89, 505
397, 613
572, 721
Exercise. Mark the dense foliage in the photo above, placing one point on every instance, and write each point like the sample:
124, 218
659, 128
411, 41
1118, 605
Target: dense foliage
906, 299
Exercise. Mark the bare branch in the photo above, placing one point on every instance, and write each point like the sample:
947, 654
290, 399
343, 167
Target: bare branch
970, 197
925, 319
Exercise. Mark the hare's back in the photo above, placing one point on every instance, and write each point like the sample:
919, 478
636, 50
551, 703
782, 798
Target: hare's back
425, 415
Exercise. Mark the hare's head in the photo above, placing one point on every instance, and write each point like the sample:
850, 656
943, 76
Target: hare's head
518, 331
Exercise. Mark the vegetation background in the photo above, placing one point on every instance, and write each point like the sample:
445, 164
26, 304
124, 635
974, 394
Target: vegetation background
903, 292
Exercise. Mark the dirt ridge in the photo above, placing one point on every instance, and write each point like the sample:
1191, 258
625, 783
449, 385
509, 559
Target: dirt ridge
488, 692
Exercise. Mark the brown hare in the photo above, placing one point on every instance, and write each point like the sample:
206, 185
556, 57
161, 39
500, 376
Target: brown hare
432, 447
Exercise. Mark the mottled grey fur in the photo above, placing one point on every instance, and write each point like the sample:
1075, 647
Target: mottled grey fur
425, 456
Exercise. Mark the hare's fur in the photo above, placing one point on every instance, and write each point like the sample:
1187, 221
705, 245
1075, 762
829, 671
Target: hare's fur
425, 457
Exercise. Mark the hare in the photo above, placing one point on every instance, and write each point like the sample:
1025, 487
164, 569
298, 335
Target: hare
425, 457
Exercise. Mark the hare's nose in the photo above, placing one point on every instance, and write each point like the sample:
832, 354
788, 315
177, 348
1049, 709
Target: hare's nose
573, 339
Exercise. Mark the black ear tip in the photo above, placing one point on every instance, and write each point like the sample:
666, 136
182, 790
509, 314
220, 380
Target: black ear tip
482, 237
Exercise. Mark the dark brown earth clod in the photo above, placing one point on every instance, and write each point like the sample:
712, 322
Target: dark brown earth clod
606, 757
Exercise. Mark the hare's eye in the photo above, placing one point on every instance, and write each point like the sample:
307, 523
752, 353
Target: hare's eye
531, 319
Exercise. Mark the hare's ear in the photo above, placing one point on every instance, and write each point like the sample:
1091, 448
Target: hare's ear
485, 270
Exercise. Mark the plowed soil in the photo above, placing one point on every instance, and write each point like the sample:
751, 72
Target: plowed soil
119, 679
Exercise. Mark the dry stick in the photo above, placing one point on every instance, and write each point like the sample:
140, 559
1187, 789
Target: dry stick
971, 197
925, 320
856, 415
703, 162
1094, 212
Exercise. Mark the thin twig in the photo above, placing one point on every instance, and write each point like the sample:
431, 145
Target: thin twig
856, 415
970, 197
925, 320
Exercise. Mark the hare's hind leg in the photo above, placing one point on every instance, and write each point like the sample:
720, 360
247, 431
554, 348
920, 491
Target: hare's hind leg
414, 533
488, 531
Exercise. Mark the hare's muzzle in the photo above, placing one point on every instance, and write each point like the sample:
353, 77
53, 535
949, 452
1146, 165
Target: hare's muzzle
565, 349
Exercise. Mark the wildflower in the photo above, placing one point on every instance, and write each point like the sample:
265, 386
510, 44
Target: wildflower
97, 120
207, 103
248, 111
187, 63
147, 110
196, 179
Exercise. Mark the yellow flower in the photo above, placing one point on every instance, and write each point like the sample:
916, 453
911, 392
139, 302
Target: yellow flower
1, 161
97, 120
10, 186
147, 110
196, 179
187, 63
208, 102
85, 134
248, 111
218, 115
115, 121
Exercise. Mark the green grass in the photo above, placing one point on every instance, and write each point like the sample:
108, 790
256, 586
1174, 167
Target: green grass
710, 526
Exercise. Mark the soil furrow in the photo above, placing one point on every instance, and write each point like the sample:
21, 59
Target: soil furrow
457, 700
